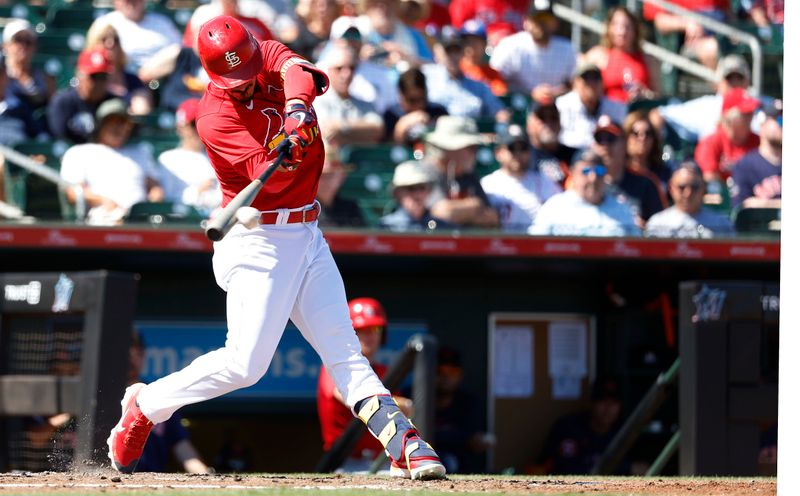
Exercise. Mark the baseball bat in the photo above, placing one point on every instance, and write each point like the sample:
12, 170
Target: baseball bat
218, 227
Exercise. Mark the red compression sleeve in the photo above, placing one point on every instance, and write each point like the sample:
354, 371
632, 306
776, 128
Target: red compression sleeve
299, 83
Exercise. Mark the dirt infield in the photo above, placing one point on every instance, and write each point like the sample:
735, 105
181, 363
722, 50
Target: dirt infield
107, 482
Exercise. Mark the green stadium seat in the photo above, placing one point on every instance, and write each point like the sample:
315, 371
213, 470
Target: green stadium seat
382, 153
66, 41
758, 221
156, 213
60, 67
61, 16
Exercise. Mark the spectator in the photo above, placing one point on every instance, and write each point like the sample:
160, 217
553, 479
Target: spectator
460, 95
757, 175
167, 437
688, 218
697, 42
582, 107
216, 8
577, 440
586, 209
336, 211
645, 152
370, 323
767, 15
548, 156
25, 82
70, 114
474, 64
413, 187
187, 176
502, 18
535, 61
141, 33
717, 153
628, 74
452, 147
698, 118
16, 123
121, 83
643, 193
344, 118
112, 174
316, 18
458, 437
414, 115
515, 190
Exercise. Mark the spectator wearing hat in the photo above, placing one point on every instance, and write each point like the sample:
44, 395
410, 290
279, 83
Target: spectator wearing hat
413, 187
582, 107
502, 18
344, 118
577, 440
717, 153
688, 217
186, 173
535, 61
757, 175
407, 122
112, 174
586, 208
548, 156
71, 112
515, 190
643, 192
474, 64
16, 122
26, 83
459, 94
142, 34
452, 148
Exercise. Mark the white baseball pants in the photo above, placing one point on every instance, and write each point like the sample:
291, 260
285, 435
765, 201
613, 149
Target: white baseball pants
271, 273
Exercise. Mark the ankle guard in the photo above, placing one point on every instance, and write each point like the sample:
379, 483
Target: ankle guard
386, 422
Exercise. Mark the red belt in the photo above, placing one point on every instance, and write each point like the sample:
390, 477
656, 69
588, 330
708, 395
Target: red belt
291, 217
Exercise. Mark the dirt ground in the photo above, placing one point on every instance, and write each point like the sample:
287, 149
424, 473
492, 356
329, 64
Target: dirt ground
103, 481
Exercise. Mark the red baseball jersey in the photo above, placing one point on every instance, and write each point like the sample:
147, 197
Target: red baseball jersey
240, 138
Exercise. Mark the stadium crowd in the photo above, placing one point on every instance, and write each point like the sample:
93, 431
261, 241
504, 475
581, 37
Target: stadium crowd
501, 122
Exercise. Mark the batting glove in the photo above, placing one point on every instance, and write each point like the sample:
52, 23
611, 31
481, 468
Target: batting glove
301, 129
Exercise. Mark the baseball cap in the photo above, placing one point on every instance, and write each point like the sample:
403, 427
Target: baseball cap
450, 37
345, 27
454, 132
94, 61
585, 155
511, 134
607, 124
738, 99
113, 106
732, 64
584, 68
411, 173
539, 7
473, 27
774, 109
15, 27
187, 112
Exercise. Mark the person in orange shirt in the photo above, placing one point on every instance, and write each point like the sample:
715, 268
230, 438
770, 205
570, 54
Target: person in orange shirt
474, 63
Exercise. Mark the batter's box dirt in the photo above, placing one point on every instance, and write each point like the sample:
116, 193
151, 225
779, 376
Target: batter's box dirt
246, 484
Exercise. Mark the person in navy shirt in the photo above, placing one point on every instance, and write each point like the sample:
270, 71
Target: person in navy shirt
757, 175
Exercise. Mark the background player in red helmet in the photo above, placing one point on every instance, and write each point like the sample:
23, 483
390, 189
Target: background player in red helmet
369, 322
259, 101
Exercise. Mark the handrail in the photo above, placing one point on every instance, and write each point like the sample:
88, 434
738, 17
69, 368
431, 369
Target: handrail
722, 28
48, 174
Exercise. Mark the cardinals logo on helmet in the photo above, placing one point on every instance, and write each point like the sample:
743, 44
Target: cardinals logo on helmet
232, 59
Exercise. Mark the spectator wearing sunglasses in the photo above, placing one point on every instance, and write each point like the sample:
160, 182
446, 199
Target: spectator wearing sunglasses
70, 114
586, 208
688, 218
515, 190
643, 193
582, 107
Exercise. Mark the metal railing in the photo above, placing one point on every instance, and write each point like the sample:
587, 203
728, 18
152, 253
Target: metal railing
582, 21
47, 174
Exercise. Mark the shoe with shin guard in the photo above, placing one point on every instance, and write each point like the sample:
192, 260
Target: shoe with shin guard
412, 458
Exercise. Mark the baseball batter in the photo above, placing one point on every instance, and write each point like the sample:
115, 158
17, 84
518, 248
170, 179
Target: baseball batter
258, 103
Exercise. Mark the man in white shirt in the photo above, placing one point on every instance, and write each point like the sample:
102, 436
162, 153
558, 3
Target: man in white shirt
585, 209
113, 175
582, 107
187, 175
534, 61
141, 33
516, 191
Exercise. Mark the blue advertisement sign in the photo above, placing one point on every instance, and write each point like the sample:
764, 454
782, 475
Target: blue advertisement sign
170, 346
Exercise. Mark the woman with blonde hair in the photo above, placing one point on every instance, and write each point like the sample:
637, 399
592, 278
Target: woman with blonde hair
121, 83
628, 74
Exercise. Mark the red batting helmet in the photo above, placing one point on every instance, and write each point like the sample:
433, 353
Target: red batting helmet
366, 312
229, 53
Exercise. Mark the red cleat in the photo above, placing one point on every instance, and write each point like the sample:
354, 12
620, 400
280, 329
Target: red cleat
126, 442
420, 461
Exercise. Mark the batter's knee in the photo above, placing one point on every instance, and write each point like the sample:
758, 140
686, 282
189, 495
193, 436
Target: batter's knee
245, 374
